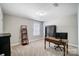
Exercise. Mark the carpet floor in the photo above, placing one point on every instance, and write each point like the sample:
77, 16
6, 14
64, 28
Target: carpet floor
36, 48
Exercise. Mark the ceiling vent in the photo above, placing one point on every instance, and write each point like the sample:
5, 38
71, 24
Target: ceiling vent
55, 4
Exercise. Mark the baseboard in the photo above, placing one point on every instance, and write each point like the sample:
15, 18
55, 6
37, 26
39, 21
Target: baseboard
34, 40
14, 44
74, 45
70, 44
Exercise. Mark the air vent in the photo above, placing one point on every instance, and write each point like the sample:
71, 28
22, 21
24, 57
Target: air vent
56, 4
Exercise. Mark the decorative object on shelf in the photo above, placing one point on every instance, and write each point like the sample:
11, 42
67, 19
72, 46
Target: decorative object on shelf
24, 36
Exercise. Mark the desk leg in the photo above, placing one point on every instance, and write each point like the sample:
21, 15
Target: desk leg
49, 44
64, 50
45, 44
67, 48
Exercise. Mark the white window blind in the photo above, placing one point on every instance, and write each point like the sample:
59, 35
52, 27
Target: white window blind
36, 29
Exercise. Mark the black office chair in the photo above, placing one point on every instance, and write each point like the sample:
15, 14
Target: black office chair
60, 35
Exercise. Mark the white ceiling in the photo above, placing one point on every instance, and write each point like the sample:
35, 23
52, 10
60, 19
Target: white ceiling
39, 11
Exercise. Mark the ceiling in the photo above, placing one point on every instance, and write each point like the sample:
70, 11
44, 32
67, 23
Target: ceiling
39, 11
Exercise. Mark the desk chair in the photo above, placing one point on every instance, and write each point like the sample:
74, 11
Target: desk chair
61, 36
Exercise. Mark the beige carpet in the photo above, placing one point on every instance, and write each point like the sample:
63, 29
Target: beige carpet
36, 48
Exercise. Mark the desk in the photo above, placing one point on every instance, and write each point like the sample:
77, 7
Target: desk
63, 42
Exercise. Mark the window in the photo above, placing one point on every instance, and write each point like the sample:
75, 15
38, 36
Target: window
36, 29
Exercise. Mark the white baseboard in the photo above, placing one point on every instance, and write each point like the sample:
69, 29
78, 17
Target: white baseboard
73, 45
34, 40
14, 44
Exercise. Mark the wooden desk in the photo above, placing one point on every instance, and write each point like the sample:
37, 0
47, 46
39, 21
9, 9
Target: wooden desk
63, 42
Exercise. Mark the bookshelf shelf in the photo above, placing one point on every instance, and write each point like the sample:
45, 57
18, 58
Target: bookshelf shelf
24, 36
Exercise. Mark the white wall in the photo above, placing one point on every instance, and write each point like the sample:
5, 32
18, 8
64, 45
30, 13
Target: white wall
67, 24
78, 29
1, 21
12, 25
